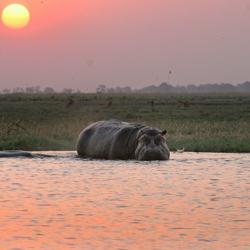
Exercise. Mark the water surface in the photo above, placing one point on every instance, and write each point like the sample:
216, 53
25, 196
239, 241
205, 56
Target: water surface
194, 201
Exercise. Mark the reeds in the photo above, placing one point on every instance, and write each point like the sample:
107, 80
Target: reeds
212, 123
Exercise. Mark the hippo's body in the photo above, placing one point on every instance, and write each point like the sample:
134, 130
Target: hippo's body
121, 140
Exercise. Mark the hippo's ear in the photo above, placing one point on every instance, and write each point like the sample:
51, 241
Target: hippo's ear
164, 132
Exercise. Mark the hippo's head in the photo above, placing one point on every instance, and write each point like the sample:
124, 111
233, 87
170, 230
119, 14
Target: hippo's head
151, 145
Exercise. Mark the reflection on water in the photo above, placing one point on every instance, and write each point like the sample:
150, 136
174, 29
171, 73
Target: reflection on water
193, 201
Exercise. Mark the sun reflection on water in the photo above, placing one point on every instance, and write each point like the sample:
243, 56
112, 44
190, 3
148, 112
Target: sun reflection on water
194, 201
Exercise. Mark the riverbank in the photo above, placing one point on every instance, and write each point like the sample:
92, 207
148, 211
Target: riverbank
199, 123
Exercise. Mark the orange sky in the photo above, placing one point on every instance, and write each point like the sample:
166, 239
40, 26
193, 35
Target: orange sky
83, 43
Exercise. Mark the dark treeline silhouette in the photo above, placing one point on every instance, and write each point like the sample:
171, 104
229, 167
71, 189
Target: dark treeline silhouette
168, 88
38, 90
204, 88
154, 89
101, 89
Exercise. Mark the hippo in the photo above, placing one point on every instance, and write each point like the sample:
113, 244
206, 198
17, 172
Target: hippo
118, 140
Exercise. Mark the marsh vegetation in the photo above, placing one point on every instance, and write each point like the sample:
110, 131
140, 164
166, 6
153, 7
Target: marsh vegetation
195, 122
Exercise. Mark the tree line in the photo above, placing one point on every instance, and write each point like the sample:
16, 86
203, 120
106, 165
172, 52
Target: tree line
152, 89
38, 90
168, 88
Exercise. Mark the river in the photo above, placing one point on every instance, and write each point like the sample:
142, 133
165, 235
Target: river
193, 201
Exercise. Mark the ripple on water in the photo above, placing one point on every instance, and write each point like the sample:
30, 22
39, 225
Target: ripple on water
193, 201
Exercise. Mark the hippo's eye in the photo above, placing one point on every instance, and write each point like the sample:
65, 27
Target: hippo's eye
146, 140
157, 140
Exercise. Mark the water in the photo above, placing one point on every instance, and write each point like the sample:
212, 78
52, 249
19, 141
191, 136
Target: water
194, 201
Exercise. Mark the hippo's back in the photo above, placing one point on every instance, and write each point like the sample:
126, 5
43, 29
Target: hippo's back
108, 140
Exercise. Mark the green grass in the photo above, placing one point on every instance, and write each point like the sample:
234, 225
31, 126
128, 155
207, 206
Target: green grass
212, 123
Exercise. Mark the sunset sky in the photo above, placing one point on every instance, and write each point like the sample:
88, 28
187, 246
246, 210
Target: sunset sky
84, 43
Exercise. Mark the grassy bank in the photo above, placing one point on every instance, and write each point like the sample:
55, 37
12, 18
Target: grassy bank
215, 123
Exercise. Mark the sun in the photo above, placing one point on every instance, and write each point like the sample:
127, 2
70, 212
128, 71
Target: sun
15, 16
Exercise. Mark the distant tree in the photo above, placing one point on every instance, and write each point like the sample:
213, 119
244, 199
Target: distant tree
126, 90
37, 89
191, 88
68, 91
111, 90
18, 90
30, 90
244, 87
49, 90
78, 91
227, 87
178, 89
165, 87
101, 89
149, 89
6, 91
118, 90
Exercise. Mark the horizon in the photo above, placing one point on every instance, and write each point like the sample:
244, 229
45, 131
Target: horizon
102, 88
123, 43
